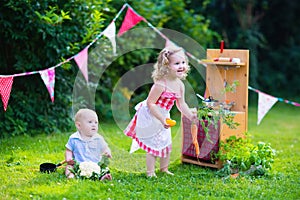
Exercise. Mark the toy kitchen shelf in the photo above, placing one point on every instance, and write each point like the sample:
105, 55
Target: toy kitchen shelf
217, 74
224, 64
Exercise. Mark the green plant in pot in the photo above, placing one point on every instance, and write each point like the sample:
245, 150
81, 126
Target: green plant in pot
239, 155
208, 116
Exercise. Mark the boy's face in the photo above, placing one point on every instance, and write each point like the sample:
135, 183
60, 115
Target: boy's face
87, 125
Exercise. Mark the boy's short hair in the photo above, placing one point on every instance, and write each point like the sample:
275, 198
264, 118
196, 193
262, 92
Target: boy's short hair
81, 112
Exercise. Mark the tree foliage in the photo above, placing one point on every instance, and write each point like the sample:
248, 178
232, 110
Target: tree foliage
37, 35
269, 29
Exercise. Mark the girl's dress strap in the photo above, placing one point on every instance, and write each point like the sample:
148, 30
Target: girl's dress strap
165, 85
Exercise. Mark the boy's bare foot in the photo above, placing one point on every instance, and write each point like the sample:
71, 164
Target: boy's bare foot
106, 177
70, 176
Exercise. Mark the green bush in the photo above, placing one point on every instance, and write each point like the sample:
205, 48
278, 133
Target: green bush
38, 35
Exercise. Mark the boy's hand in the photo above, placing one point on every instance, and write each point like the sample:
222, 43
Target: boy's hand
107, 154
70, 162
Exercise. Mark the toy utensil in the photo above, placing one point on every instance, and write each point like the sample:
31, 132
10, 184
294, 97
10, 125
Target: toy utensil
201, 97
50, 167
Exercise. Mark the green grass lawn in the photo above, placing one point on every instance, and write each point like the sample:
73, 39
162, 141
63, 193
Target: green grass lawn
21, 156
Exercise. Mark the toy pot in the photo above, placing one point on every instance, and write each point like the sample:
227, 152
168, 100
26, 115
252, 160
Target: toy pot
50, 167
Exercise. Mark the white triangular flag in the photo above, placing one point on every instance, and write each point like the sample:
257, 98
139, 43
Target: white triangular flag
110, 33
265, 103
48, 76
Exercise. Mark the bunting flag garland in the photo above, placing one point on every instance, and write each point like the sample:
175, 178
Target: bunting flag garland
289, 102
48, 76
130, 20
5, 88
279, 99
110, 33
82, 61
265, 103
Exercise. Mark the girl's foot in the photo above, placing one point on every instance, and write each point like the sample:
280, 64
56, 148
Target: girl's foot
151, 174
106, 177
168, 172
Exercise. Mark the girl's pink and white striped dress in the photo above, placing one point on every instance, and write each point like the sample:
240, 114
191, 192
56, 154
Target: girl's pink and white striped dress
147, 132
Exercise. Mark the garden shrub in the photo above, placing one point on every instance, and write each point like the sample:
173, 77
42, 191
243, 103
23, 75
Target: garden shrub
38, 35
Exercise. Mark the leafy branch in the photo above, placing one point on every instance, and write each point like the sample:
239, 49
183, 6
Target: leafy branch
208, 116
52, 18
231, 87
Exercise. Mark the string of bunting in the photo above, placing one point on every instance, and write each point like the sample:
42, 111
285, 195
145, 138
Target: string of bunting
131, 19
48, 75
279, 99
265, 103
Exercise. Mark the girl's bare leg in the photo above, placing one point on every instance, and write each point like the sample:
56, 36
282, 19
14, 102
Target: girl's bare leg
164, 164
150, 162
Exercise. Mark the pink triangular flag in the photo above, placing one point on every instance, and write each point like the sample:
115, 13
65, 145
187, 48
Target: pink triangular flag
265, 103
5, 88
130, 20
48, 77
110, 33
82, 61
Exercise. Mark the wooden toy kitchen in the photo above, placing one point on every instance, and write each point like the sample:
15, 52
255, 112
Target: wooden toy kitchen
225, 68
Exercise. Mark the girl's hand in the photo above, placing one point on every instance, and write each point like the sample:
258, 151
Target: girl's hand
194, 118
165, 125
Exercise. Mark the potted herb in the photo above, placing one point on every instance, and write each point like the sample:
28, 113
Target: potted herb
210, 113
239, 155
211, 116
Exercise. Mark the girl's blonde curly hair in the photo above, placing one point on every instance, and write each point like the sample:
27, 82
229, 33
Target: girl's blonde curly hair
161, 68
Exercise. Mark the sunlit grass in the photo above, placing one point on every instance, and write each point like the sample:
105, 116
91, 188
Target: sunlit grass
21, 156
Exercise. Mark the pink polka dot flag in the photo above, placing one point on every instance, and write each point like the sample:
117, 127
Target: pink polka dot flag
5, 88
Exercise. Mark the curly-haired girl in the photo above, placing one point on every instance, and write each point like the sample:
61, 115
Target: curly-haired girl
148, 128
